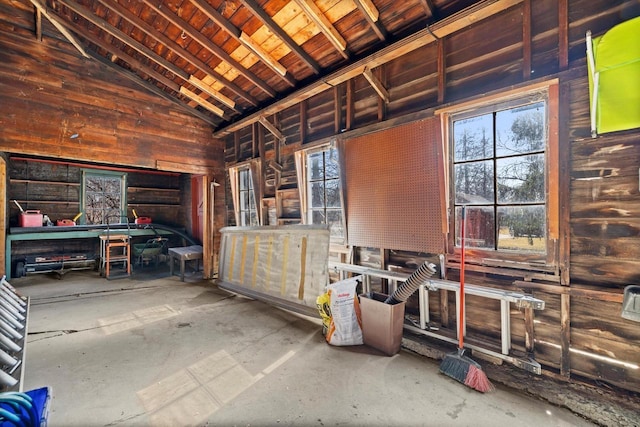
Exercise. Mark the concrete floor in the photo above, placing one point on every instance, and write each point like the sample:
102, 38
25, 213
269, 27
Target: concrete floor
162, 352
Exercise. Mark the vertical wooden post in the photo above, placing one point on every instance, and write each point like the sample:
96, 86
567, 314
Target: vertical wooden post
208, 228
565, 331
382, 104
304, 121
3, 213
442, 72
350, 105
337, 105
236, 146
526, 40
563, 34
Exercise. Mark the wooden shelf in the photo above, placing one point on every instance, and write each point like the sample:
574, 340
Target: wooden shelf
159, 205
32, 181
47, 202
136, 189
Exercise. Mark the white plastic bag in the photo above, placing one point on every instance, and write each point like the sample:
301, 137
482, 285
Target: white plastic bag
345, 327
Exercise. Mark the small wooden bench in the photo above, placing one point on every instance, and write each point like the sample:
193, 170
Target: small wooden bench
184, 254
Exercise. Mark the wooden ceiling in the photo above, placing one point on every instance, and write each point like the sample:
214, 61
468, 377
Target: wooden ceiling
227, 59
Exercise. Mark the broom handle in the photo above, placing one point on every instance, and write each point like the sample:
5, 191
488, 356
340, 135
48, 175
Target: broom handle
462, 305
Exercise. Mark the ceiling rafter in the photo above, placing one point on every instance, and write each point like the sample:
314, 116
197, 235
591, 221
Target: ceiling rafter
63, 30
325, 26
245, 39
268, 22
372, 16
467, 16
139, 47
185, 54
429, 9
192, 32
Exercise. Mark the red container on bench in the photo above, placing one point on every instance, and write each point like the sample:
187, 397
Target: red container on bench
30, 218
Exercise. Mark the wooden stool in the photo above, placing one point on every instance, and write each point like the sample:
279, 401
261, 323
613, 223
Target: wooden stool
115, 248
184, 254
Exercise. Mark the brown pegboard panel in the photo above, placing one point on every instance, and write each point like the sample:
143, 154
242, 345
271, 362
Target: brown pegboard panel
392, 188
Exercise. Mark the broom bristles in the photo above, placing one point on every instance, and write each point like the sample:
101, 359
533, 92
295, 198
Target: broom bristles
477, 379
467, 371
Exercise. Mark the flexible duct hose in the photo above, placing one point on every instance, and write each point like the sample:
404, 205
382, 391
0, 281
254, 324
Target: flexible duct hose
413, 282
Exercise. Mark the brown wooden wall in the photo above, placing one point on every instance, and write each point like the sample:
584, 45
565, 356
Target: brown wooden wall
55, 103
581, 332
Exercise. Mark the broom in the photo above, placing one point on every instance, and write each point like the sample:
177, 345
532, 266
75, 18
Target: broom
456, 365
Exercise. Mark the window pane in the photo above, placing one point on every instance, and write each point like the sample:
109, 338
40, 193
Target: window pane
252, 200
473, 138
479, 227
253, 218
521, 130
474, 183
244, 179
332, 168
317, 194
333, 193
334, 219
522, 228
315, 163
521, 179
317, 217
244, 200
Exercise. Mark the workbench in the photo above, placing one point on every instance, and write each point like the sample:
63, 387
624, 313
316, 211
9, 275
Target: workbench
184, 254
77, 232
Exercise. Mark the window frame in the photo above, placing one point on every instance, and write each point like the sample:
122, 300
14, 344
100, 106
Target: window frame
537, 261
86, 173
252, 167
304, 186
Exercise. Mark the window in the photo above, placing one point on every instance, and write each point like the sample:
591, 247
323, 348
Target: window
247, 207
245, 190
500, 156
322, 199
103, 197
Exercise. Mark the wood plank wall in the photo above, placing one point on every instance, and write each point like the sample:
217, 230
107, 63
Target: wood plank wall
76, 108
581, 332
58, 105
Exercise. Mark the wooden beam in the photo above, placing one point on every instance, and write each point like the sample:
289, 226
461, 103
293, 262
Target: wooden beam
268, 22
442, 72
326, 27
63, 30
526, 40
271, 128
376, 84
350, 107
563, 34
372, 16
429, 9
38, 24
165, 165
565, 335
244, 39
337, 109
203, 102
184, 26
206, 88
304, 122
151, 32
478, 12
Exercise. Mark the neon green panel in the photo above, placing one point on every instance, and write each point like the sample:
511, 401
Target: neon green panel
617, 65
